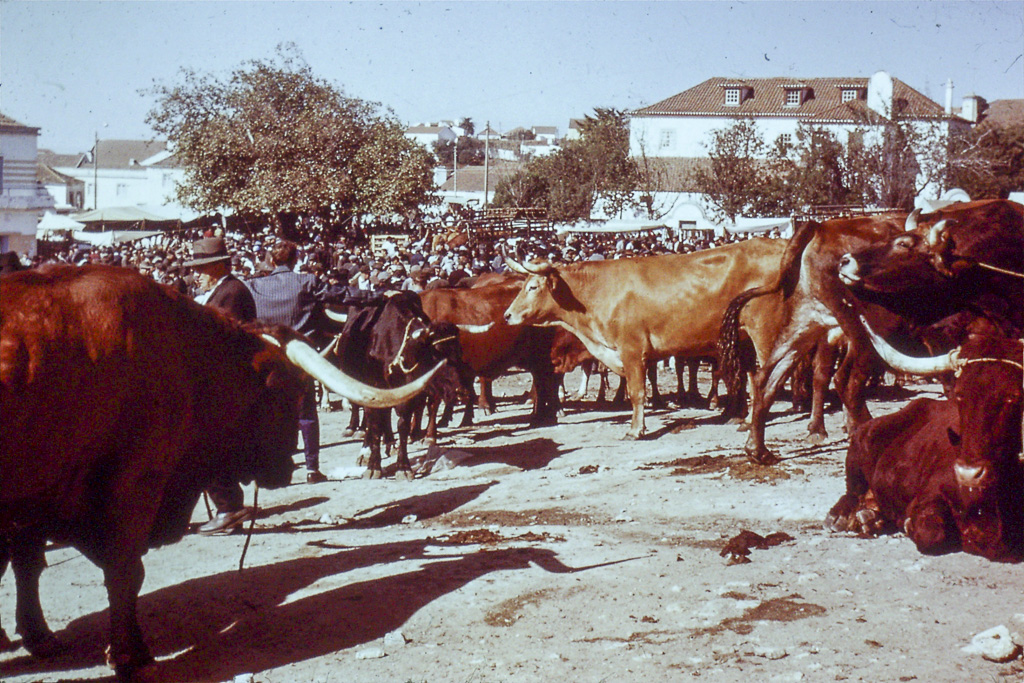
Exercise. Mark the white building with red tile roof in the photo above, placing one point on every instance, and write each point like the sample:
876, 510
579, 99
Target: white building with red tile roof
681, 125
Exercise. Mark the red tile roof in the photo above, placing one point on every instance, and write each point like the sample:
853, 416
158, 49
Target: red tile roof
764, 97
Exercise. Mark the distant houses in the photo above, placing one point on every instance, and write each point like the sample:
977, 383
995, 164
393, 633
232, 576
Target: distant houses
23, 199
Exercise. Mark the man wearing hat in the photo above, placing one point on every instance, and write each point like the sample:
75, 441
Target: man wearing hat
221, 290
217, 286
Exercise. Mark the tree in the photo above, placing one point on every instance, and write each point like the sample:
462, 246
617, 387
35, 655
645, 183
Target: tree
735, 177
471, 151
466, 124
988, 161
273, 142
572, 181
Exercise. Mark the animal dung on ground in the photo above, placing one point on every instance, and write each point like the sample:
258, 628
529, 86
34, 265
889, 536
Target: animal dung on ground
738, 547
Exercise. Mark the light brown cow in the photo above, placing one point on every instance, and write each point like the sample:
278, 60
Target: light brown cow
631, 311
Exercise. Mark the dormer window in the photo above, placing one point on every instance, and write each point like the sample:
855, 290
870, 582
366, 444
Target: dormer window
736, 94
794, 97
849, 95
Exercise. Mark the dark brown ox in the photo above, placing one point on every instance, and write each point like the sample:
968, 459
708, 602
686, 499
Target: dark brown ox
121, 402
953, 265
494, 346
629, 312
808, 306
946, 472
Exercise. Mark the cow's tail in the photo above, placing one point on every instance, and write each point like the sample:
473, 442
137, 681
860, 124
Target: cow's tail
730, 357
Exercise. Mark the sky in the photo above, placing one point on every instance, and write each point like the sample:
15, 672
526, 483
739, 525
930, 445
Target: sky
80, 69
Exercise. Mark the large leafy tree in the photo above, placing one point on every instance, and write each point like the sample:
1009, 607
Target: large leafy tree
571, 182
273, 142
736, 175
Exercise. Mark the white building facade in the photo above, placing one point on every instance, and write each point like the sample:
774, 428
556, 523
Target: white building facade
682, 125
23, 200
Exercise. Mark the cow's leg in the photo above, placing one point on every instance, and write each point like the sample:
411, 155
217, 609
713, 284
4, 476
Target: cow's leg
713, 400
353, 422
375, 418
652, 376
28, 559
635, 382
586, 369
486, 399
824, 360
766, 385
123, 574
433, 404
545, 383
404, 413
930, 525
850, 378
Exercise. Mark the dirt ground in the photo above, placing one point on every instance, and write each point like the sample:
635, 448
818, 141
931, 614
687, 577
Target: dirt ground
541, 554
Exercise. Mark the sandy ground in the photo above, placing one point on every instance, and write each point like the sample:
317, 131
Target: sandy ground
557, 553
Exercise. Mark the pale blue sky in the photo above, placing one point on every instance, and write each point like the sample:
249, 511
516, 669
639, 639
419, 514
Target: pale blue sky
72, 68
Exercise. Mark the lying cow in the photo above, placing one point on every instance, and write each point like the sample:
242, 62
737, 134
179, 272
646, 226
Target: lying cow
122, 400
946, 472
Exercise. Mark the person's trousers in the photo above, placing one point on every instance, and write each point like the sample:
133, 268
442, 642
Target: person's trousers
309, 427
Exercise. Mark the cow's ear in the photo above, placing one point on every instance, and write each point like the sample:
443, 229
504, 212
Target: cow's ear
954, 438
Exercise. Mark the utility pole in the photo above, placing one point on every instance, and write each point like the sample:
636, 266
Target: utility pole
455, 165
487, 158
95, 171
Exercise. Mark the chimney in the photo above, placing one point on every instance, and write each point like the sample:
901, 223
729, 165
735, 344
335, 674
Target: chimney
971, 108
949, 96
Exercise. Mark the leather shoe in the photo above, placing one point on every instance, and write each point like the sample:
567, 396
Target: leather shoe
225, 522
316, 477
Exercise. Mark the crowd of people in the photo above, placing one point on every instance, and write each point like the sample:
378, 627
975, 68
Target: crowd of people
347, 265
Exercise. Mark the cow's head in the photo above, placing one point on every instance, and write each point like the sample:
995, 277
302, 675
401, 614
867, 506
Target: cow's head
917, 259
538, 301
988, 477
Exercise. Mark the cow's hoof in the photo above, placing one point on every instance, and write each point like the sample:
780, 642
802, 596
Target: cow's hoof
43, 646
373, 474
816, 438
868, 521
632, 437
129, 667
348, 432
741, 424
404, 475
765, 457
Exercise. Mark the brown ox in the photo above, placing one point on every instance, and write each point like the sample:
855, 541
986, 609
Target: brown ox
952, 265
631, 311
491, 351
946, 472
122, 400
808, 304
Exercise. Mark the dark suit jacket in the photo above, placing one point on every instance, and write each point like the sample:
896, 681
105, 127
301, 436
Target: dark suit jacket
232, 297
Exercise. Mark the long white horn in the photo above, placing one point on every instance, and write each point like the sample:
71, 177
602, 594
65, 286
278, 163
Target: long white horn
935, 233
912, 220
914, 365
307, 358
336, 317
515, 266
475, 329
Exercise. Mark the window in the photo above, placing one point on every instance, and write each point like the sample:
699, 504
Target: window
1, 174
786, 139
666, 140
732, 97
122, 189
792, 97
849, 94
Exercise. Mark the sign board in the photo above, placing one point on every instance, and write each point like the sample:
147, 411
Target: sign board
386, 245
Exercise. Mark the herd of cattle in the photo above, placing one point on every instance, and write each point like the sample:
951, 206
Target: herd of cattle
122, 400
